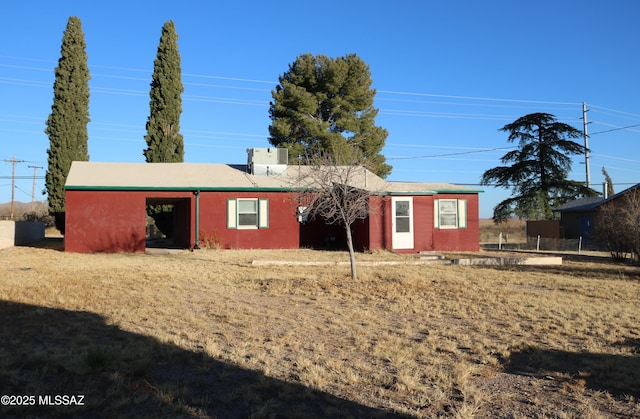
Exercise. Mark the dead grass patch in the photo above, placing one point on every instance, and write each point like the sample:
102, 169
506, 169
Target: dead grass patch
206, 334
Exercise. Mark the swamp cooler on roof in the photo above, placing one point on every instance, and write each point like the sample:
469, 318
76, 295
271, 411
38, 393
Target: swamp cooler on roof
267, 161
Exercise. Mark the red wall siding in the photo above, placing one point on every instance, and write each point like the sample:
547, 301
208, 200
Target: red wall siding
426, 236
422, 224
461, 239
114, 221
283, 231
377, 223
423, 236
105, 222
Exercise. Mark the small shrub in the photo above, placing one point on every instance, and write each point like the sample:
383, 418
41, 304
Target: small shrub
618, 226
210, 241
45, 218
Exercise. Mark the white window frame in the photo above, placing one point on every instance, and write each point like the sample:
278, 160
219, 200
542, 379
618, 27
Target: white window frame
450, 207
233, 214
404, 217
253, 213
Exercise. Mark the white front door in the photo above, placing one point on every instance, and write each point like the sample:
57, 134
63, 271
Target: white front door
402, 222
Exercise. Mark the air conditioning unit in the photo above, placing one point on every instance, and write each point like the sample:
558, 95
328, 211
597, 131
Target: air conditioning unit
267, 161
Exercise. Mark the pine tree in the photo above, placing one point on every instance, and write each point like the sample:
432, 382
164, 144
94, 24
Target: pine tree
164, 140
67, 123
325, 105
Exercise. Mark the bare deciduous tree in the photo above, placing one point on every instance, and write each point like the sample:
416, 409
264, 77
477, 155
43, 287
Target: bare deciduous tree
338, 194
618, 225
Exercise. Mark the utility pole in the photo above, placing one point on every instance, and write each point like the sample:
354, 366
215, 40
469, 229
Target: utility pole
33, 188
586, 144
13, 162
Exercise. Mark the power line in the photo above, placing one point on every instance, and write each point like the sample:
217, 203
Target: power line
33, 189
274, 83
17, 177
486, 101
614, 110
401, 96
495, 185
451, 154
616, 158
477, 98
13, 162
615, 129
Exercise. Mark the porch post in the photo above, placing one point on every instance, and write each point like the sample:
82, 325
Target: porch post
197, 241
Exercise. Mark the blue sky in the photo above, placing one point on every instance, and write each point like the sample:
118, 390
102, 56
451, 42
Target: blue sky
448, 75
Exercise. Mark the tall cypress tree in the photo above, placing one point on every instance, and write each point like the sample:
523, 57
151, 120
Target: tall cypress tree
608, 183
164, 141
67, 123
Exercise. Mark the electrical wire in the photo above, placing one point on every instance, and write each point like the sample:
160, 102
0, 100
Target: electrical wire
615, 129
406, 97
451, 154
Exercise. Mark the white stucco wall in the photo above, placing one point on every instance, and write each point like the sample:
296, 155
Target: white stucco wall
20, 233
7, 234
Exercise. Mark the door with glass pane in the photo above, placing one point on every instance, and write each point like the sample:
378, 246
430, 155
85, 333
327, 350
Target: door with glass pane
402, 222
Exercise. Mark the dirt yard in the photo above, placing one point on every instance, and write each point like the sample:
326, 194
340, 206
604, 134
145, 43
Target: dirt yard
208, 334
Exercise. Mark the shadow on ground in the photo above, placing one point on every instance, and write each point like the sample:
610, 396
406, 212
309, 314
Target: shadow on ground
619, 375
53, 243
52, 352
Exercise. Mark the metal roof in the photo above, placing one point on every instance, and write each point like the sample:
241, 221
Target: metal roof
201, 176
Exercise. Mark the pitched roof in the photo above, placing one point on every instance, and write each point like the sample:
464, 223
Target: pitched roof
612, 197
85, 175
591, 203
201, 176
580, 205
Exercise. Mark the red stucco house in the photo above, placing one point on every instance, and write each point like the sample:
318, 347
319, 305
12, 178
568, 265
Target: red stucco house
233, 207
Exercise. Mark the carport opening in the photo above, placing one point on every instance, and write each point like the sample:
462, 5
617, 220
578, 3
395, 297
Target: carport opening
316, 234
167, 223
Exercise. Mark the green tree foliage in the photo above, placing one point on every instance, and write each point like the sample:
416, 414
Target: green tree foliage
538, 168
164, 140
325, 105
67, 123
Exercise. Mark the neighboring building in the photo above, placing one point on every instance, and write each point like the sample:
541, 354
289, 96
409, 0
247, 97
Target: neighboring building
578, 218
253, 206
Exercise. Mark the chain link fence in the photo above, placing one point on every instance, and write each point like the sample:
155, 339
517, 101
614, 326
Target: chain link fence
574, 245
539, 243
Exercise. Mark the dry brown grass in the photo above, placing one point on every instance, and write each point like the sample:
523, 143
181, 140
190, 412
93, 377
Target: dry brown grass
207, 334
513, 231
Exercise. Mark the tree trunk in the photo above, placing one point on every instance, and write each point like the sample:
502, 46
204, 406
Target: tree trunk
352, 253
